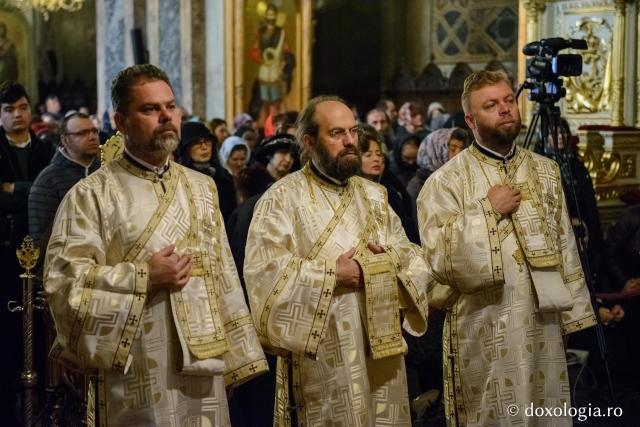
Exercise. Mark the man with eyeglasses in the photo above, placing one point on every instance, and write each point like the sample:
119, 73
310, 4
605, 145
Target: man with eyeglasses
76, 158
197, 151
22, 156
331, 278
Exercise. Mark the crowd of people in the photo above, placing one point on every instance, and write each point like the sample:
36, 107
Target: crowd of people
340, 257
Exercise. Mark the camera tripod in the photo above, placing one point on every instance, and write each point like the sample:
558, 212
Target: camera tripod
547, 120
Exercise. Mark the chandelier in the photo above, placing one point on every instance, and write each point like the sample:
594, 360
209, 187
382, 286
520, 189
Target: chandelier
49, 6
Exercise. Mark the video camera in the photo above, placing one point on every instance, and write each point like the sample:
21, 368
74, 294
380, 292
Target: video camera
546, 66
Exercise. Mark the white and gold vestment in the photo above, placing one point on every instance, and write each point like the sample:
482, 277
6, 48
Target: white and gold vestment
345, 346
163, 358
511, 286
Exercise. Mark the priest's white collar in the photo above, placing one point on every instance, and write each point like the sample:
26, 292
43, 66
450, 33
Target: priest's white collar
494, 154
155, 169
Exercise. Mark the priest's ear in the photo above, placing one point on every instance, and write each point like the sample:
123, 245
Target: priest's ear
308, 141
468, 118
119, 119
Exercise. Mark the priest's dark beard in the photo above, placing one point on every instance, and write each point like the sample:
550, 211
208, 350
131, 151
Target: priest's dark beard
499, 137
342, 167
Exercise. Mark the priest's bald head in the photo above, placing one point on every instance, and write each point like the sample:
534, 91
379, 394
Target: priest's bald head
327, 129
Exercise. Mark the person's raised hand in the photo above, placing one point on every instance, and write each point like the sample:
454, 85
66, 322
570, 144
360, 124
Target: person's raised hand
504, 199
605, 315
376, 249
617, 312
168, 270
348, 272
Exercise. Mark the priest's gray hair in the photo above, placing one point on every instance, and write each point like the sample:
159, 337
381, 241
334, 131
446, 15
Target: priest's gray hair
306, 123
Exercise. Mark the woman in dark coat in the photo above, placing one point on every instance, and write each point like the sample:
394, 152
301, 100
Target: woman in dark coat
373, 168
196, 152
402, 162
252, 403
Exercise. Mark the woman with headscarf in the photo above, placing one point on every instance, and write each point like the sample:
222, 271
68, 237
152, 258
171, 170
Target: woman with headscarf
234, 155
435, 150
402, 162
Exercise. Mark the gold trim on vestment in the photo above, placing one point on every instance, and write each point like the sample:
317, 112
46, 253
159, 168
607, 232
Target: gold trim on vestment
345, 200
578, 275
290, 270
383, 341
381, 291
238, 323
141, 273
102, 399
83, 308
297, 389
505, 230
141, 276
497, 269
164, 203
318, 326
454, 399
406, 281
448, 247
213, 344
578, 325
281, 412
540, 258
381, 297
245, 371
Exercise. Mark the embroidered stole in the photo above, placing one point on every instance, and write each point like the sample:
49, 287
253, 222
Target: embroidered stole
381, 296
539, 250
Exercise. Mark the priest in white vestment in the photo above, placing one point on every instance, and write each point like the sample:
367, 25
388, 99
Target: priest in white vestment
332, 278
140, 279
494, 227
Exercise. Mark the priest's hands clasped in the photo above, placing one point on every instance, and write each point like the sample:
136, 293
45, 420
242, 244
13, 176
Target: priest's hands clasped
348, 271
504, 199
168, 270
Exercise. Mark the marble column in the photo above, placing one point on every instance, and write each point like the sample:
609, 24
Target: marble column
215, 55
237, 58
617, 96
306, 40
114, 21
199, 58
169, 41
